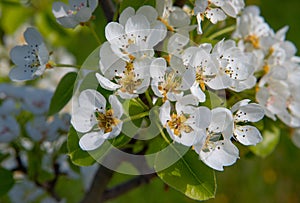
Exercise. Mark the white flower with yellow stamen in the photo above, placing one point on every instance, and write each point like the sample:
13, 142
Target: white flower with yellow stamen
129, 81
175, 18
96, 121
30, 59
170, 82
216, 149
136, 33
187, 124
235, 67
251, 27
216, 10
204, 66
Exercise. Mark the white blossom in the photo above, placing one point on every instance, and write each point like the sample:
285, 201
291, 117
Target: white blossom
95, 121
216, 10
216, 149
169, 82
74, 13
188, 123
30, 59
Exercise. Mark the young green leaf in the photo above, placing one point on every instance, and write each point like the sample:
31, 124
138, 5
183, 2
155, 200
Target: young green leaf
63, 93
190, 176
7, 181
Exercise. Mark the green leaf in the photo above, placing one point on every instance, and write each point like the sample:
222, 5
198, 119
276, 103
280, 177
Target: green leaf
63, 93
190, 176
77, 155
70, 189
135, 4
7, 181
271, 137
213, 100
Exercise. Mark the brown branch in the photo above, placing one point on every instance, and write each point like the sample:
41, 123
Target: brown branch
99, 184
179, 3
108, 9
126, 186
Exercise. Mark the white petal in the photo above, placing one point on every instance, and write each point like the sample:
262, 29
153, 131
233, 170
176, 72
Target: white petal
107, 84
59, 9
197, 92
221, 119
91, 99
125, 15
18, 54
239, 104
176, 43
93, 4
158, 68
137, 23
91, 141
110, 64
149, 12
296, 137
68, 21
116, 106
224, 154
249, 113
157, 33
203, 117
113, 31
32, 36
179, 18
83, 15
83, 119
21, 74
164, 112
247, 135
215, 15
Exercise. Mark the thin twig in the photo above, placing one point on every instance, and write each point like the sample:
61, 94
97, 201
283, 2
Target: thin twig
99, 184
127, 186
108, 9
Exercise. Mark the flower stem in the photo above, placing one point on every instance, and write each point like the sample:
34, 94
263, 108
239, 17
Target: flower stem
141, 103
222, 32
136, 117
149, 99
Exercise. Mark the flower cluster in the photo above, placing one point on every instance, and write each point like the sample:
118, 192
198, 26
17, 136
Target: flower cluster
179, 80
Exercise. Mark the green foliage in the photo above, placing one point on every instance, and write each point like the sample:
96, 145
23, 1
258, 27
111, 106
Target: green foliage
191, 177
70, 189
271, 137
7, 181
63, 93
135, 4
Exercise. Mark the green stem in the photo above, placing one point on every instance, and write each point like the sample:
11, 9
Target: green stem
137, 116
141, 103
94, 33
222, 32
67, 66
149, 99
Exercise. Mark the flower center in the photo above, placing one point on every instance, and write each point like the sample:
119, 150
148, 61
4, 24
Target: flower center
177, 124
106, 121
171, 82
254, 40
